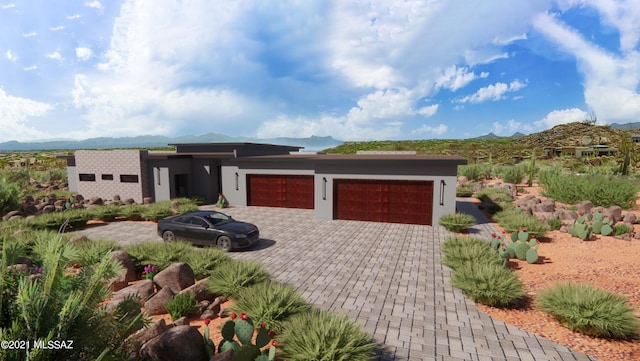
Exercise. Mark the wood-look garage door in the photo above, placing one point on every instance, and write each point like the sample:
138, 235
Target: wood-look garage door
394, 201
287, 191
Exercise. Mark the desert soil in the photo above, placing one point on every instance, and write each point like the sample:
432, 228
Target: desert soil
605, 262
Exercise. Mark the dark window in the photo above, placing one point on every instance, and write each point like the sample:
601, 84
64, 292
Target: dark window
107, 177
186, 220
199, 222
86, 177
129, 178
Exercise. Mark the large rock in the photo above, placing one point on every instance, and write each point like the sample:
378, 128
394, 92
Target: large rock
200, 291
177, 343
129, 274
584, 206
630, 218
142, 336
615, 213
12, 214
155, 304
178, 276
144, 289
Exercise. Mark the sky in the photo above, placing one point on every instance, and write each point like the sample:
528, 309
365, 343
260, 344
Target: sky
353, 70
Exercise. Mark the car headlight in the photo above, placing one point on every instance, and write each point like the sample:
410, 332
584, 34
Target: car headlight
241, 235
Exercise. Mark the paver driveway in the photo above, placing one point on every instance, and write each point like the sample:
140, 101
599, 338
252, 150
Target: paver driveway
389, 279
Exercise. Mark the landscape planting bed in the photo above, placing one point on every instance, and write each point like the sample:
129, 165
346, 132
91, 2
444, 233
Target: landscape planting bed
605, 262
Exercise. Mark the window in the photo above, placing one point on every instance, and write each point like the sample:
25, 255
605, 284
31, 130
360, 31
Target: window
86, 177
129, 178
107, 177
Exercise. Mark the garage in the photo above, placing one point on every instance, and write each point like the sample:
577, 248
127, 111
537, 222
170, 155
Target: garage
285, 191
394, 201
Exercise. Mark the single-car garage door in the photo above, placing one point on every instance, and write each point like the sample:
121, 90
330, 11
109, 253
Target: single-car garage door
395, 201
287, 191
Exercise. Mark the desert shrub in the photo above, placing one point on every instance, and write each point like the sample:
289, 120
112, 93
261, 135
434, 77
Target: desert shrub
458, 251
133, 212
494, 194
457, 222
156, 211
512, 220
489, 284
620, 229
91, 252
270, 302
54, 176
10, 194
61, 220
512, 174
234, 276
604, 191
180, 305
554, 224
106, 213
204, 261
158, 254
476, 172
590, 310
320, 335
465, 190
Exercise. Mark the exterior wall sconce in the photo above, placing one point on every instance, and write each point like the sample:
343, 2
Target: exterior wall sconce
442, 184
158, 170
324, 188
237, 181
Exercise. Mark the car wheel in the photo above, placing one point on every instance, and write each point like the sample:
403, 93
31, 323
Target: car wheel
168, 236
224, 243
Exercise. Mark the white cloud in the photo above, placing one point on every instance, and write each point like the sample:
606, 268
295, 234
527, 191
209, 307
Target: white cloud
73, 17
509, 40
30, 68
563, 116
11, 56
428, 111
56, 28
426, 129
493, 92
8, 6
94, 4
510, 128
84, 53
55, 55
15, 113
30, 34
455, 78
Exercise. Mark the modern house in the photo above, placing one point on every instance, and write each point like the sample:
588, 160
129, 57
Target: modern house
384, 187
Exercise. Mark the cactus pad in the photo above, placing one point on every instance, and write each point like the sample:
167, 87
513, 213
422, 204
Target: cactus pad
532, 256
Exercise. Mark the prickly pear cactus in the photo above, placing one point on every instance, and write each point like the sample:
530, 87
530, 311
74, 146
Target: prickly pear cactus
531, 255
243, 330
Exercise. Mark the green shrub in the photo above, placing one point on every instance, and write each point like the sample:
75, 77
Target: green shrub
603, 191
620, 229
457, 222
54, 176
465, 190
512, 174
513, 220
590, 310
234, 276
180, 305
156, 211
320, 335
133, 212
489, 284
476, 172
270, 302
10, 194
204, 261
159, 254
494, 194
458, 251
106, 213
91, 252
554, 224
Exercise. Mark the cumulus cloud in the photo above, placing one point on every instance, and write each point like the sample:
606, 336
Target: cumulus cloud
8, 6
94, 4
30, 34
427, 129
30, 68
563, 116
73, 17
454, 78
84, 53
55, 55
493, 92
56, 28
11, 56
428, 111
15, 113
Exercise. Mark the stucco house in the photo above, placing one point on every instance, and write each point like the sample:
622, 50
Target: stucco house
382, 187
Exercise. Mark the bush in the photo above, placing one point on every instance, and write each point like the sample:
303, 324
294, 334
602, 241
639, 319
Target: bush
476, 172
204, 261
513, 220
106, 213
512, 174
180, 305
156, 211
620, 229
271, 303
320, 335
459, 251
590, 310
10, 194
91, 252
231, 279
133, 212
159, 254
494, 194
457, 222
465, 190
554, 224
603, 191
488, 283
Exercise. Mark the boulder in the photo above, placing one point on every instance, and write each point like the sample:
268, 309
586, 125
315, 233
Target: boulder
144, 289
79, 238
142, 336
462, 180
48, 209
177, 343
96, 201
129, 201
155, 304
129, 274
584, 206
544, 216
630, 218
178, 276
116, 197
200, 291
12, 214
615, 213
147, 200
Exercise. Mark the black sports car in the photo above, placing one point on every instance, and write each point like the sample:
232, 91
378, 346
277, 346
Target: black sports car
207, 228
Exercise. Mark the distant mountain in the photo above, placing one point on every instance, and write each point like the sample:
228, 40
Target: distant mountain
312, 143
493, 136
627, 126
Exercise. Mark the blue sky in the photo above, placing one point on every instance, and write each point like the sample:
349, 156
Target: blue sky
354, 70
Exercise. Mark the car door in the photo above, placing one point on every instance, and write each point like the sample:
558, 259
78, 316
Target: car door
202, 233
180, 227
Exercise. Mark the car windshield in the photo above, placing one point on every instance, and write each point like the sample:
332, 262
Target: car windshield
218, 218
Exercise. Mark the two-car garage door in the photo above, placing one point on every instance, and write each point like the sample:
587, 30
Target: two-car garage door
395, 201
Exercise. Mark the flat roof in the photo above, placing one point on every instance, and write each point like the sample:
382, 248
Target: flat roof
352, 157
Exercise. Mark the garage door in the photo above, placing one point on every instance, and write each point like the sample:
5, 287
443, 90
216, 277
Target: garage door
394, 201
288, 191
